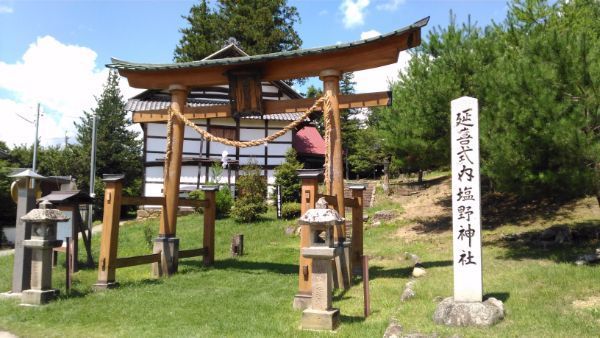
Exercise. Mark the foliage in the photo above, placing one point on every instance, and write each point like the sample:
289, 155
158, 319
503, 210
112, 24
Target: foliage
224, 202
535, 76
259, 26
542, 110
252, 193
287, 178
118, 151
7, 206
414, 130
149, 236
216, 171
290, 210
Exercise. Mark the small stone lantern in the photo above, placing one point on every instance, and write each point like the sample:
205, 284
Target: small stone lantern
43, 240
321, 221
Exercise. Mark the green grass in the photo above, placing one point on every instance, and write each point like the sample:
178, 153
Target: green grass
251, 296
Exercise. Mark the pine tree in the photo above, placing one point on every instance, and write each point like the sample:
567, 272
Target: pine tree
118, 151
260, 26
287, 178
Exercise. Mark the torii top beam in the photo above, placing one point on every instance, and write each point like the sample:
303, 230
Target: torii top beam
348, 57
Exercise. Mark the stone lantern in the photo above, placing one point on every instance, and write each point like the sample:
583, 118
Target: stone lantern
321, 221
43, 239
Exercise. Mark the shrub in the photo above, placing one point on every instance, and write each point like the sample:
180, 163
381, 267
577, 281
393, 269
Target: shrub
290, 210
287, 178
223, 201
252, 192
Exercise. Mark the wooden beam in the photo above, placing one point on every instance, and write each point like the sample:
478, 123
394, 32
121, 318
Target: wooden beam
138, 260
365, 100
128, 200
192, 253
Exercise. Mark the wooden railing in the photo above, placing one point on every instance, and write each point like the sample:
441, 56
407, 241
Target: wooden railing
113, 201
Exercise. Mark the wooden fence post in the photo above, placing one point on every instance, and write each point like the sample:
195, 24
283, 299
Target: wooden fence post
357, 228
110, 232
210, 212
308, 197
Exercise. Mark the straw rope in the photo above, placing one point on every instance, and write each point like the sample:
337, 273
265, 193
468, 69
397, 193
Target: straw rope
323, 101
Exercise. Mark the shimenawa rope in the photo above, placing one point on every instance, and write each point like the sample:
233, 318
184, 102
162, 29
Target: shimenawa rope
323, 101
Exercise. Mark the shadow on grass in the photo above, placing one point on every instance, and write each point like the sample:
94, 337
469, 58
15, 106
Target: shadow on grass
560, 243
379, 272
351, 319
503, 296
241, 265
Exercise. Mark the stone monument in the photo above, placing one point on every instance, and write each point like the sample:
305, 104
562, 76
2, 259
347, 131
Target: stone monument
322, 250
466, 307
43, 239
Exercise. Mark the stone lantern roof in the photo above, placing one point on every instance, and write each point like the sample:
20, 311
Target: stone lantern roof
45, 214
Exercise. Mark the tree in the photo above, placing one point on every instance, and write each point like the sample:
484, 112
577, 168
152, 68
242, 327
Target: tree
7, 206
252, 192
542, 112
260, 26
415, 129
287, 178
118, 151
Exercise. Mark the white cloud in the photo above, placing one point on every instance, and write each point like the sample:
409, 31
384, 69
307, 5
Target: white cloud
6, 10
323, 12
353, 12
369, 34
63, 78
378, 79
390, 5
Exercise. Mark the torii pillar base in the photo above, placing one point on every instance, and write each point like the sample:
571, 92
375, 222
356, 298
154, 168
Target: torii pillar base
168, 247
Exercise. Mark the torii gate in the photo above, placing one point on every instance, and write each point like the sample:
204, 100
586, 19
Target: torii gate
244, 75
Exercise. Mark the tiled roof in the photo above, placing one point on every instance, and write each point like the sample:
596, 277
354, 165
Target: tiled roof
125, 65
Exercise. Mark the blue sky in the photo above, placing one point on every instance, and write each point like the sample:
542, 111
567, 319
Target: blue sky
54, 52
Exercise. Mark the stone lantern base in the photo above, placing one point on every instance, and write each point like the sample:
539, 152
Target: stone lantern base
38, 297
320, 319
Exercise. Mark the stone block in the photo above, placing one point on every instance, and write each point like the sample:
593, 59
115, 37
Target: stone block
452, 313
38, 297
320, 319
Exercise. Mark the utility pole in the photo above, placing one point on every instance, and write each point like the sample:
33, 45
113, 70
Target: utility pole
92, 176
35, 142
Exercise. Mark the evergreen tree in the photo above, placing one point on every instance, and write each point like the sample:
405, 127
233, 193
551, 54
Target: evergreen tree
415, 129
287, 178
7, 207
260, 26
118, 151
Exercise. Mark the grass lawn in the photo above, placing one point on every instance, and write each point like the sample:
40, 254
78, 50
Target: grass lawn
251, 296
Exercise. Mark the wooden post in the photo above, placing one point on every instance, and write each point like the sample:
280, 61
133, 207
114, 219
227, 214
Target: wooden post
110, 232
210, 212
357, 228
166, 244
168, 219
366, 297
308, 198
331, 86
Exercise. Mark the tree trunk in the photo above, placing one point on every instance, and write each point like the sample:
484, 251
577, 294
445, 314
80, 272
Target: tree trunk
420, 180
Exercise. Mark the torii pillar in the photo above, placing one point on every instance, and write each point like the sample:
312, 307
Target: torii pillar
166, 243
331, 86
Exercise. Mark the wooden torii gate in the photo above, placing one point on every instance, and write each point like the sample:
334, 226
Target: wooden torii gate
244, 76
